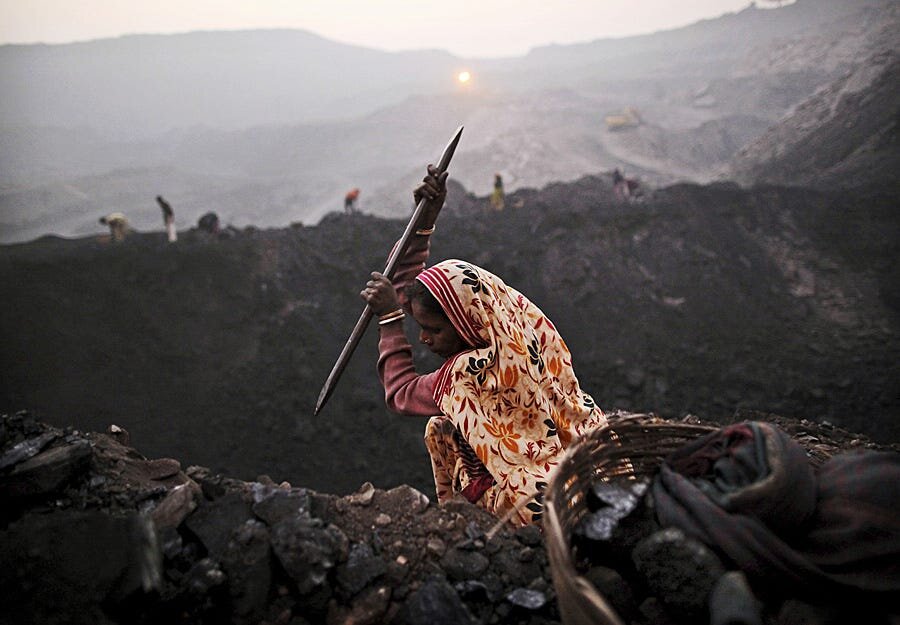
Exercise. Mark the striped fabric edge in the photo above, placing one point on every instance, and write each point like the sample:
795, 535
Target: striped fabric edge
444, 379
439, 286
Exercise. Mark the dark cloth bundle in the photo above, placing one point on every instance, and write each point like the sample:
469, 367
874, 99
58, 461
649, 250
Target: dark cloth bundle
749, 491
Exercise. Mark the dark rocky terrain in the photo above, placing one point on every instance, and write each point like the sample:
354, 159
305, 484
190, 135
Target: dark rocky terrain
240, 506
93, 532
697, 300
236, 504
844, 136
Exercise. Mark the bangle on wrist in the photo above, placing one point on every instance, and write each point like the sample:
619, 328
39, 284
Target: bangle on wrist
425, 231
390, 317
384, 322
392, 314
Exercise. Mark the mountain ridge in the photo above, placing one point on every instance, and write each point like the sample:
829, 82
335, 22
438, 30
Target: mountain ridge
533, 124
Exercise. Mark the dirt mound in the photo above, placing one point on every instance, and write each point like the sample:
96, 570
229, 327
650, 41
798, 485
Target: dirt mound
697, 300
843, 136
92, 531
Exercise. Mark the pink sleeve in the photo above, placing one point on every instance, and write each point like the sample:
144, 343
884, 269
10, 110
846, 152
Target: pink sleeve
410, 265
405, 391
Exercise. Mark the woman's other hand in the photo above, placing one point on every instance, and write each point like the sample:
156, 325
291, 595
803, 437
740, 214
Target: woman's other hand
434, 190
380, 295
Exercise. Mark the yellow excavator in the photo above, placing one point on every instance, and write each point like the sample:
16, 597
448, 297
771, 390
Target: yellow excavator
620, 120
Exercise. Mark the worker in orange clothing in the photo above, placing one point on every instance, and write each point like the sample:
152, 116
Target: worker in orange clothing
350, 200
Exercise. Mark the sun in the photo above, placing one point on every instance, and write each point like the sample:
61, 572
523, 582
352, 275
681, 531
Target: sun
464, 77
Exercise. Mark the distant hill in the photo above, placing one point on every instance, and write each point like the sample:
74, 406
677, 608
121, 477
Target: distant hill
139, 86
143, 85
846, 135
699, 299
272, 127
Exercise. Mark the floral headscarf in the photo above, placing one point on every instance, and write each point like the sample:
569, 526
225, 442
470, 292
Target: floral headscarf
514, 395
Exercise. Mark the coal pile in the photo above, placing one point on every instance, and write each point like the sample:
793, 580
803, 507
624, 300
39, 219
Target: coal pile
659, 575
695, 300
95, 532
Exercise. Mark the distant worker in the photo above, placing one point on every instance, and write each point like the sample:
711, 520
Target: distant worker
350, 200
209, 223
118, 226
168, 218
497, 197
620, 185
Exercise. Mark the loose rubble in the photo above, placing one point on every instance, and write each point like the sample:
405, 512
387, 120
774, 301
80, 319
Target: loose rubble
94, 532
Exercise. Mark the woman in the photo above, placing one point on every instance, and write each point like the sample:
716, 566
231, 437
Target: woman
506, 400
497, 197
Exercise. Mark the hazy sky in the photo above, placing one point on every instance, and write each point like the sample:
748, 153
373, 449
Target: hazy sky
464, 27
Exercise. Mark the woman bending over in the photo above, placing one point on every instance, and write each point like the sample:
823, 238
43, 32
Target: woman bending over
506, 403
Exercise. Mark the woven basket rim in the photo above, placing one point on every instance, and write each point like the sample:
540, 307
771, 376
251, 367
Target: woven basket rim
629, 437
619, 442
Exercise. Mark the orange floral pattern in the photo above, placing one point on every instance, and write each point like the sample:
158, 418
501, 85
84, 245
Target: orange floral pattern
513, 396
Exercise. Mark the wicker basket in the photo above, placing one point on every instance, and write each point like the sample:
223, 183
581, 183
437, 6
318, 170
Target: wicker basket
631, 445
635, 445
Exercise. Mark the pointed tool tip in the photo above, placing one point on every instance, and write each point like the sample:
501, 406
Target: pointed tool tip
324, 394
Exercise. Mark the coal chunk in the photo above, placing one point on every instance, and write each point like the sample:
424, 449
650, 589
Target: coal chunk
679, 570
72, 563
435, 603
308, 550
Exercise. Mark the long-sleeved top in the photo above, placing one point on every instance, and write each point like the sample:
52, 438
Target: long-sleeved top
405, 391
